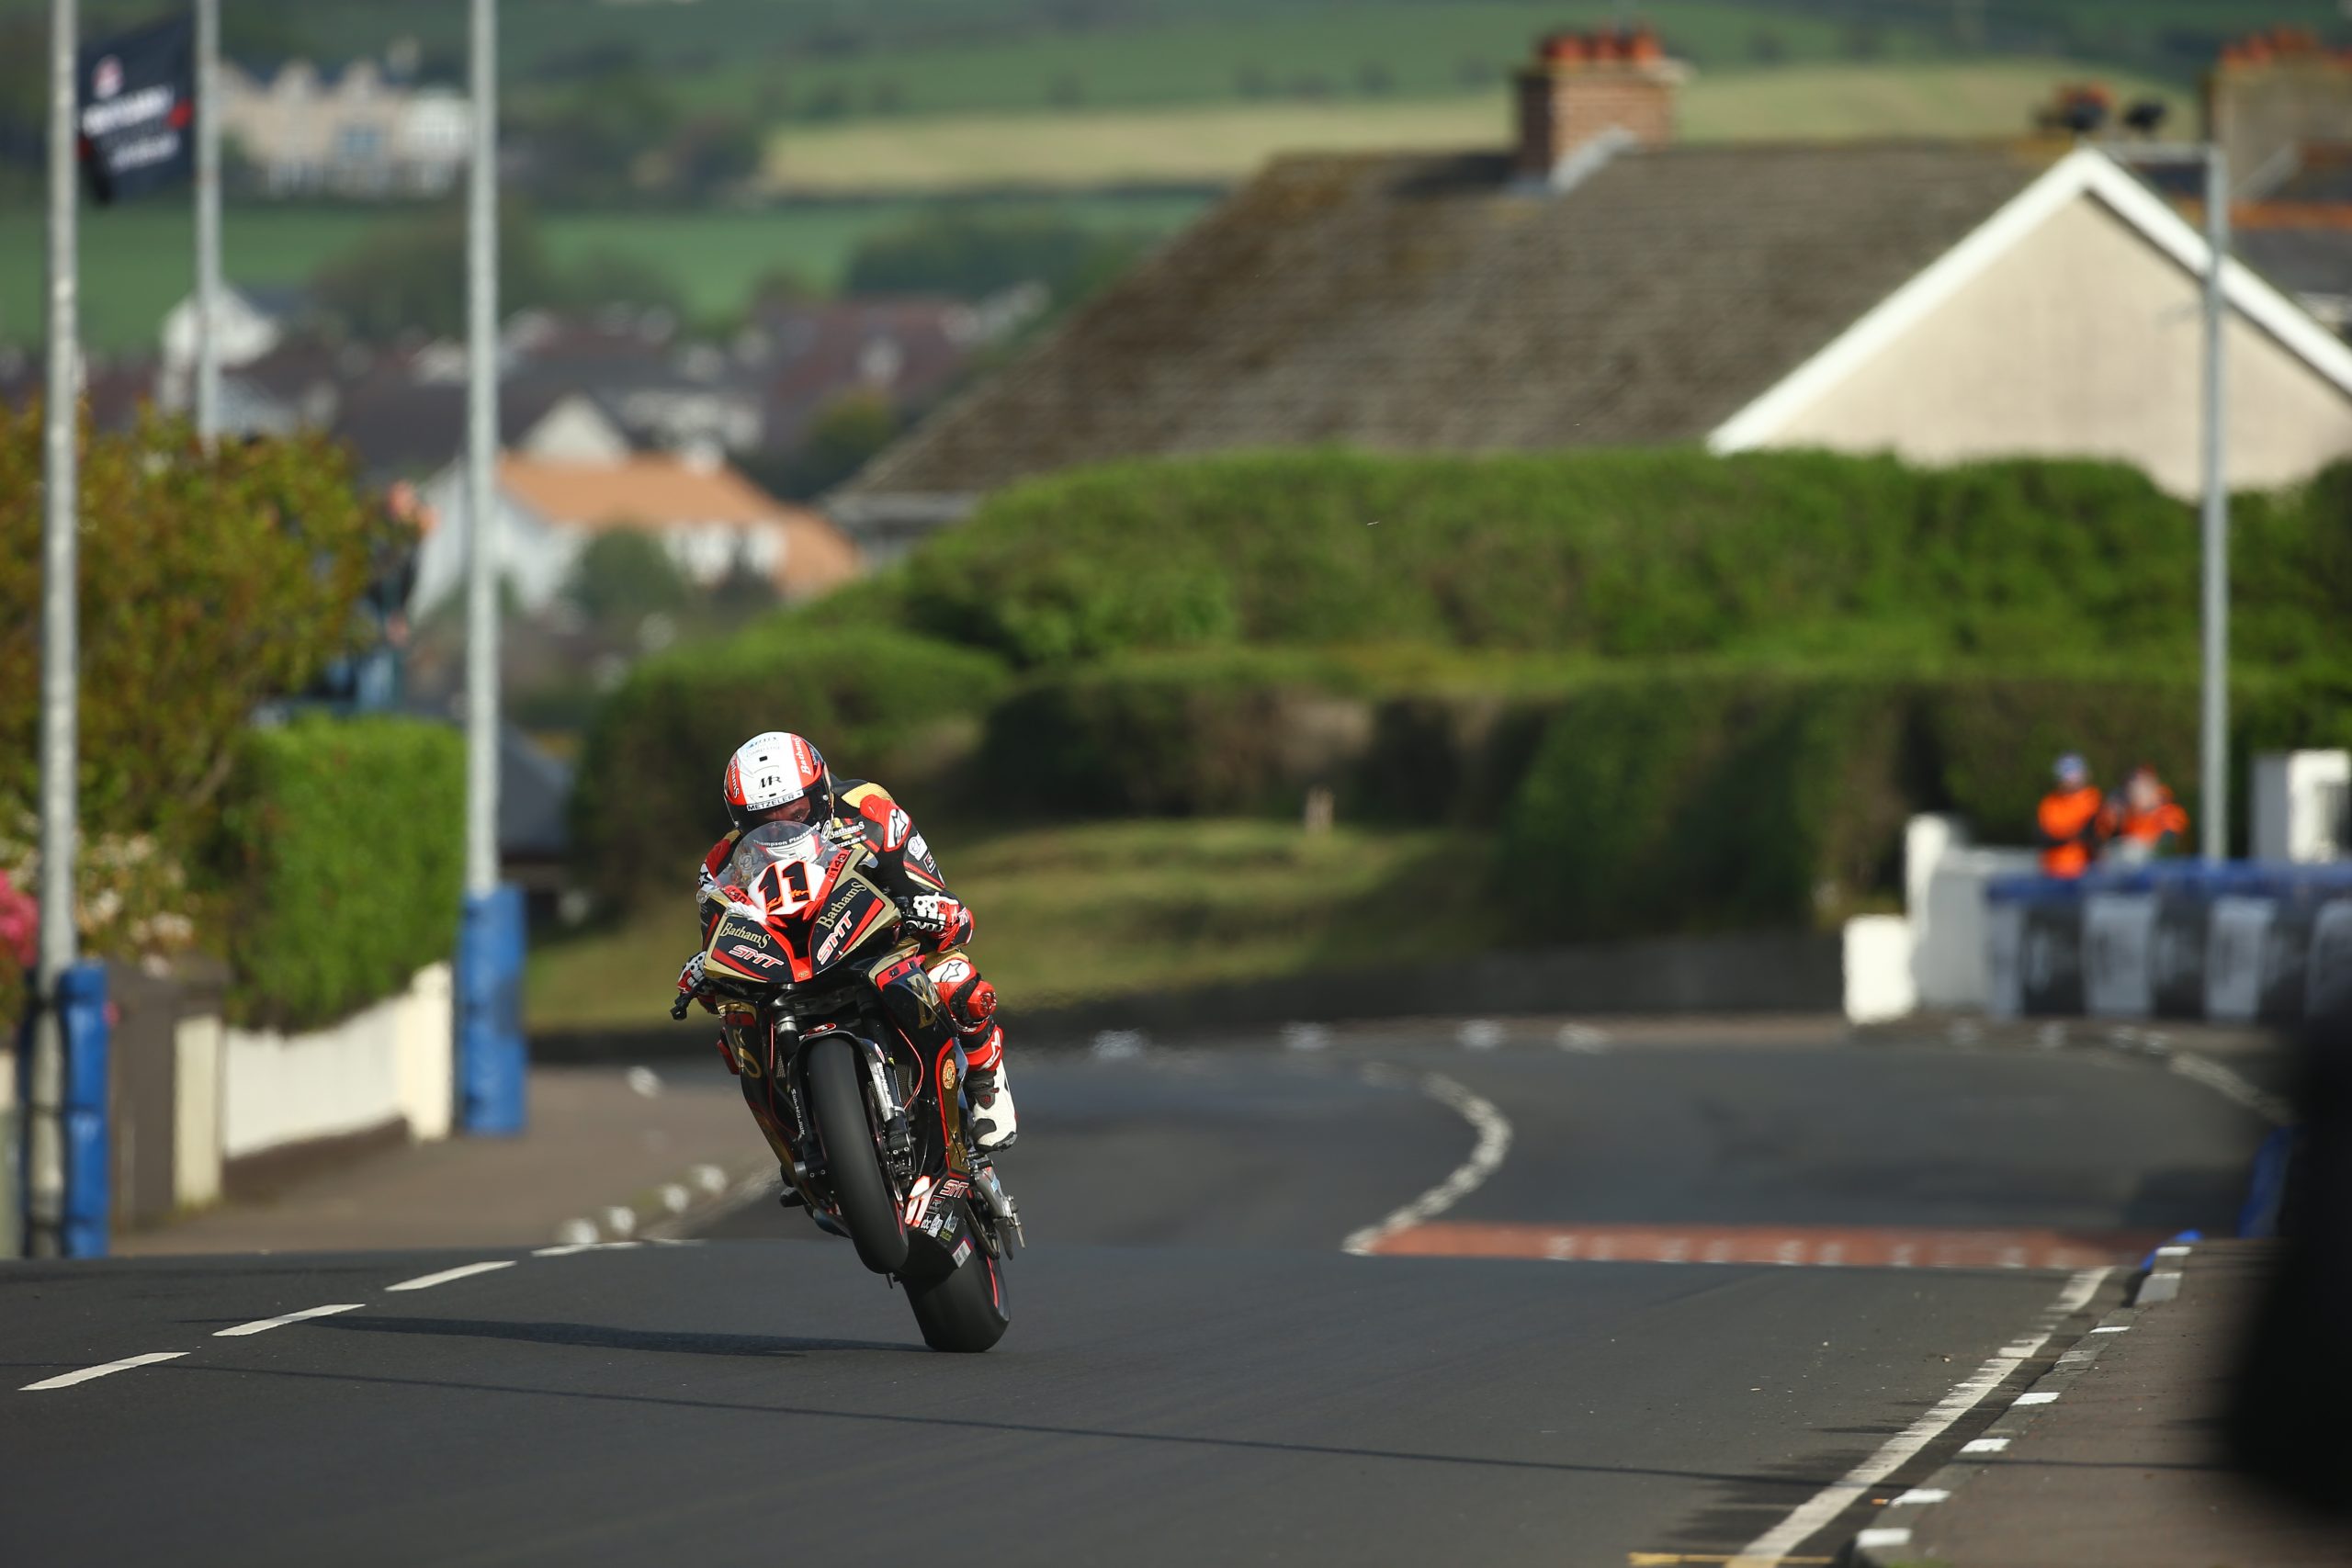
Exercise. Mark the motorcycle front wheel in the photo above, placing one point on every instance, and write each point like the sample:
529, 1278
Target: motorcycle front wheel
852, 1163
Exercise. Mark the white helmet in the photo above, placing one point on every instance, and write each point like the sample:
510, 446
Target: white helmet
769, 775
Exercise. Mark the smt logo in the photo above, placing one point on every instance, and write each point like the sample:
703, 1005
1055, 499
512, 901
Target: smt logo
753, 955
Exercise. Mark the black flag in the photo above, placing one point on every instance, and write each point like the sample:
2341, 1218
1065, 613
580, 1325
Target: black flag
138, 110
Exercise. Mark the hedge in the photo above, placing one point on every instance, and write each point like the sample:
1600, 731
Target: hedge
1621, 554
1661, 801
342, 854
876, 702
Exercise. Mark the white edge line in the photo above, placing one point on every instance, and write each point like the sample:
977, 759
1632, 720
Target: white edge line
1983, 1445
1485, 1156
1820, 1510
565, 1249
263, 1325
2079, 173
426, 1281
67, 1380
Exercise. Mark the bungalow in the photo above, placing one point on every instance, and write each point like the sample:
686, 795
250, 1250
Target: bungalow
1600, 285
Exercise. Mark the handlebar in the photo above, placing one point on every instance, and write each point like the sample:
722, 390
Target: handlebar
678, 1009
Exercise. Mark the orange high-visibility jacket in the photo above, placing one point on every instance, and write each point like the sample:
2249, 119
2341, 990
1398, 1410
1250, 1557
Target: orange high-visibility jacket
2072, 825
2165, 819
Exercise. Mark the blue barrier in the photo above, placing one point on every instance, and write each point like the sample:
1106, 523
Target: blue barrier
493, 1077
89, 1186
85, 1220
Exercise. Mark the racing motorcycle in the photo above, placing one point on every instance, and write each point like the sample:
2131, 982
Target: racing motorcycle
845, 1054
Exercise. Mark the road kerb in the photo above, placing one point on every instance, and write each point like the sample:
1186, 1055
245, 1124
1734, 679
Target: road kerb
1888, 1542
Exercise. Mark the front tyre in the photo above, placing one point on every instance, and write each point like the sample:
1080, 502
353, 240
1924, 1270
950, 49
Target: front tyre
963, 1312
852, 1165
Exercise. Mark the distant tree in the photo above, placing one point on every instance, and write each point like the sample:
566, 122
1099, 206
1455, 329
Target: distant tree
1066, 91
1864, 40
846, 432
624, 575
1311, 84
712, 154
885, 96
409, 274
616, 278
970, 254
1474, 72
1374, 80
743, 593
830, 101
1765, 47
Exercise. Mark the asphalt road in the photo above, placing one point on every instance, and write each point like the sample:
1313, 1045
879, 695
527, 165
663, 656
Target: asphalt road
1195, 1370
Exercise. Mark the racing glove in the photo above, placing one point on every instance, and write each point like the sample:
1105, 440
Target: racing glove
936, 918
690, 978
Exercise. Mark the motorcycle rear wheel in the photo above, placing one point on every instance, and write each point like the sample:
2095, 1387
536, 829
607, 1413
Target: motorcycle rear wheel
852, 1165
963, 1312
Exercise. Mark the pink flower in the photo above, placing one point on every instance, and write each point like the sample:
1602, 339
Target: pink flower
19, 922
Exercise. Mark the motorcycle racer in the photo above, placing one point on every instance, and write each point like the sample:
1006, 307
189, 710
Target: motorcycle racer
777, 776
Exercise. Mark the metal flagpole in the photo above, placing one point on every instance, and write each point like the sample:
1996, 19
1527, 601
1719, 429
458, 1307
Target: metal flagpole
482, 458
208, 220
2213, 836
45, 1131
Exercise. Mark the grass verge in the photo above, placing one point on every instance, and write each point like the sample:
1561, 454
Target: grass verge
1097, 909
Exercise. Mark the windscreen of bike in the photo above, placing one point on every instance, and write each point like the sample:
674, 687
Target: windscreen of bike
781, 866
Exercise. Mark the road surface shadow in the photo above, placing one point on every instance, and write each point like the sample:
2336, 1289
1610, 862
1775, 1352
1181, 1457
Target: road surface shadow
599, 1336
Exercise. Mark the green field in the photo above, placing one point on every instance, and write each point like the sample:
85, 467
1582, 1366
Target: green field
1101, 908
136, 260
1216, 142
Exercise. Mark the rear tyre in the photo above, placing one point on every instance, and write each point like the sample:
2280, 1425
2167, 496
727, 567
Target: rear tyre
965, 1310
837, 1106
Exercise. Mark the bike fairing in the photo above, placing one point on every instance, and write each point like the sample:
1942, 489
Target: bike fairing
806, 957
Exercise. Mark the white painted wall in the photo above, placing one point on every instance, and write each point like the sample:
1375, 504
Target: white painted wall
2083, 340
196, 1112
395, 1059
1877, 969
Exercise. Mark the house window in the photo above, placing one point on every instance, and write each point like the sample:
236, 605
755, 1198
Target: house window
360, 143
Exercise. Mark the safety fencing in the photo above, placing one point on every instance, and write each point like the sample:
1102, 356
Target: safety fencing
2236, 943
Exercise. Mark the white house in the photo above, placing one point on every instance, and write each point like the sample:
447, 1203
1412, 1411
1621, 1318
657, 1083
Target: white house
710, 519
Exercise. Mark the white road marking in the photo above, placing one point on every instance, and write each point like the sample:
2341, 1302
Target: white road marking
566, 1249
264, 1324
1983, 1445
1919, 1495
1583, 1037
426, 1281
576, 1232
68, 1380
2172, 1252
2035, 1399
1486, 1155
2230, 1086
1883, 1537
1818, 1511
2119, 1328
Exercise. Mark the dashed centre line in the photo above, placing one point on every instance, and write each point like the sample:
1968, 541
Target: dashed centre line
263, 1325
426, 1281
67, 1380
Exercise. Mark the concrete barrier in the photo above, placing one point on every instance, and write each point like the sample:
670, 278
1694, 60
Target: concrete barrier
1878, 955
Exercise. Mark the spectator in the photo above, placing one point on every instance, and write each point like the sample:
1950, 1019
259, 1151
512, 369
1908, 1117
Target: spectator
2147, 822
2073, 819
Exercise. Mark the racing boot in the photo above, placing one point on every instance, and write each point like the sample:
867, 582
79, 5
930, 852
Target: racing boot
970, 1002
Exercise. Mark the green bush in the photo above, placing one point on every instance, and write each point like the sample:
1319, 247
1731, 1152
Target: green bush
1239, 730
875, 702
208, 585
1617, 554
341, 853
1661, 802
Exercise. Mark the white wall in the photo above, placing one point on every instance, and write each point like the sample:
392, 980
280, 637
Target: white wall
393, 1060
2081, 341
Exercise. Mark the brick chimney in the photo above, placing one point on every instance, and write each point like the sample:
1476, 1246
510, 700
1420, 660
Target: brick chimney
1581, 85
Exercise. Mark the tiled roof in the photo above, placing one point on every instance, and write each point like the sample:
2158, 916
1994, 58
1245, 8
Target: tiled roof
1420, 303
648, 490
